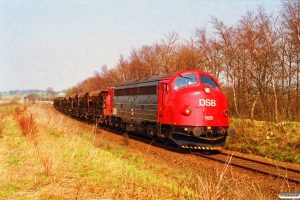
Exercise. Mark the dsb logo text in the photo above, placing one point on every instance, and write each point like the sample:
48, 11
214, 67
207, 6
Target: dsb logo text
207, 102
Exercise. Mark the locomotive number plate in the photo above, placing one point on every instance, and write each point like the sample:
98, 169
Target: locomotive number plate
209, 117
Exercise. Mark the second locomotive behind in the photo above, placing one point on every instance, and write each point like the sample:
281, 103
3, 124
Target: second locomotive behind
187, 108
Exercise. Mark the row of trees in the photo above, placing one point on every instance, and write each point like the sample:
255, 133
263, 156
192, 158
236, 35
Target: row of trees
47, 95
257, 61
32, 95
48, 91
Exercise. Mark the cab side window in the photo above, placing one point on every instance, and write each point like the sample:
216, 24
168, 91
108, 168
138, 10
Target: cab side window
185, 80
206, 80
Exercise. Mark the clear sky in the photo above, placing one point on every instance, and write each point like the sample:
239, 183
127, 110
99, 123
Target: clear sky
58, 43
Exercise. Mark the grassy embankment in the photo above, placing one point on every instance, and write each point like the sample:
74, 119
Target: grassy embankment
45, 155
279, 141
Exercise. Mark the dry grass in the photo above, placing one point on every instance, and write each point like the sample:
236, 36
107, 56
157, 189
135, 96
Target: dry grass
6, 109
65, 160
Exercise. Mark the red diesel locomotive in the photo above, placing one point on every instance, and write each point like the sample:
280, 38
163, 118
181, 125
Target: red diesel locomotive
187, 108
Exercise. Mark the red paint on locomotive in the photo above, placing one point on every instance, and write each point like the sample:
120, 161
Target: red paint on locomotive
185, 101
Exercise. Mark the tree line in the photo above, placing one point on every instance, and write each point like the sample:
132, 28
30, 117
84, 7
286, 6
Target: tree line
31, 95
257, 62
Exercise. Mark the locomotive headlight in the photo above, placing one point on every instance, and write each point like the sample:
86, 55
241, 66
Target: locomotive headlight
187, 111
207, 90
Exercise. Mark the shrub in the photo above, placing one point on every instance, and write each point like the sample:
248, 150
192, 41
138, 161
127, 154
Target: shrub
25, 121
27, 124
18, 112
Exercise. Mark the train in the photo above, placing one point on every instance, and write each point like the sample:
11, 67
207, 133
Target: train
187, 108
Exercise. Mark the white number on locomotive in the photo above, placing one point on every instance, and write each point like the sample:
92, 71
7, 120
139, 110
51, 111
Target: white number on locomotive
207, 102
209, 117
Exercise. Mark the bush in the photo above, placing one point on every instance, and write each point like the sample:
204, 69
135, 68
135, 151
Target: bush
25, 121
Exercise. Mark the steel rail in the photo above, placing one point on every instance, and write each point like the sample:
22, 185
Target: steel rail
274, 170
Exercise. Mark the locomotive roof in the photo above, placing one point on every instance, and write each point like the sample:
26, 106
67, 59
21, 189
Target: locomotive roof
146, 79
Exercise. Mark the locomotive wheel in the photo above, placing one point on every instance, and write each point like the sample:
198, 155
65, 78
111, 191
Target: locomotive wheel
150, 131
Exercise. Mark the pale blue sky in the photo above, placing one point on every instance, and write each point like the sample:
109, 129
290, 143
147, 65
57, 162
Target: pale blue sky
57, 44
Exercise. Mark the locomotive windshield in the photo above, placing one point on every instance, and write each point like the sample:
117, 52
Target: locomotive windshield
185, 80
206, 80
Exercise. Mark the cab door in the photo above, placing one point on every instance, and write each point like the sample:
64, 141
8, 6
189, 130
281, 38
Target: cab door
160, 103
164, 107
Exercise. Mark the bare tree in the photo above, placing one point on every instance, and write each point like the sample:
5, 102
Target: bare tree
167, 51
32, 96
50, 92
187, 55
270, 58
228, 49
291, 51
208, 51
123, 68
149, 58
136, 68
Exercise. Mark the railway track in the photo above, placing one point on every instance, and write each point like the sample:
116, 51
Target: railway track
274, 170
